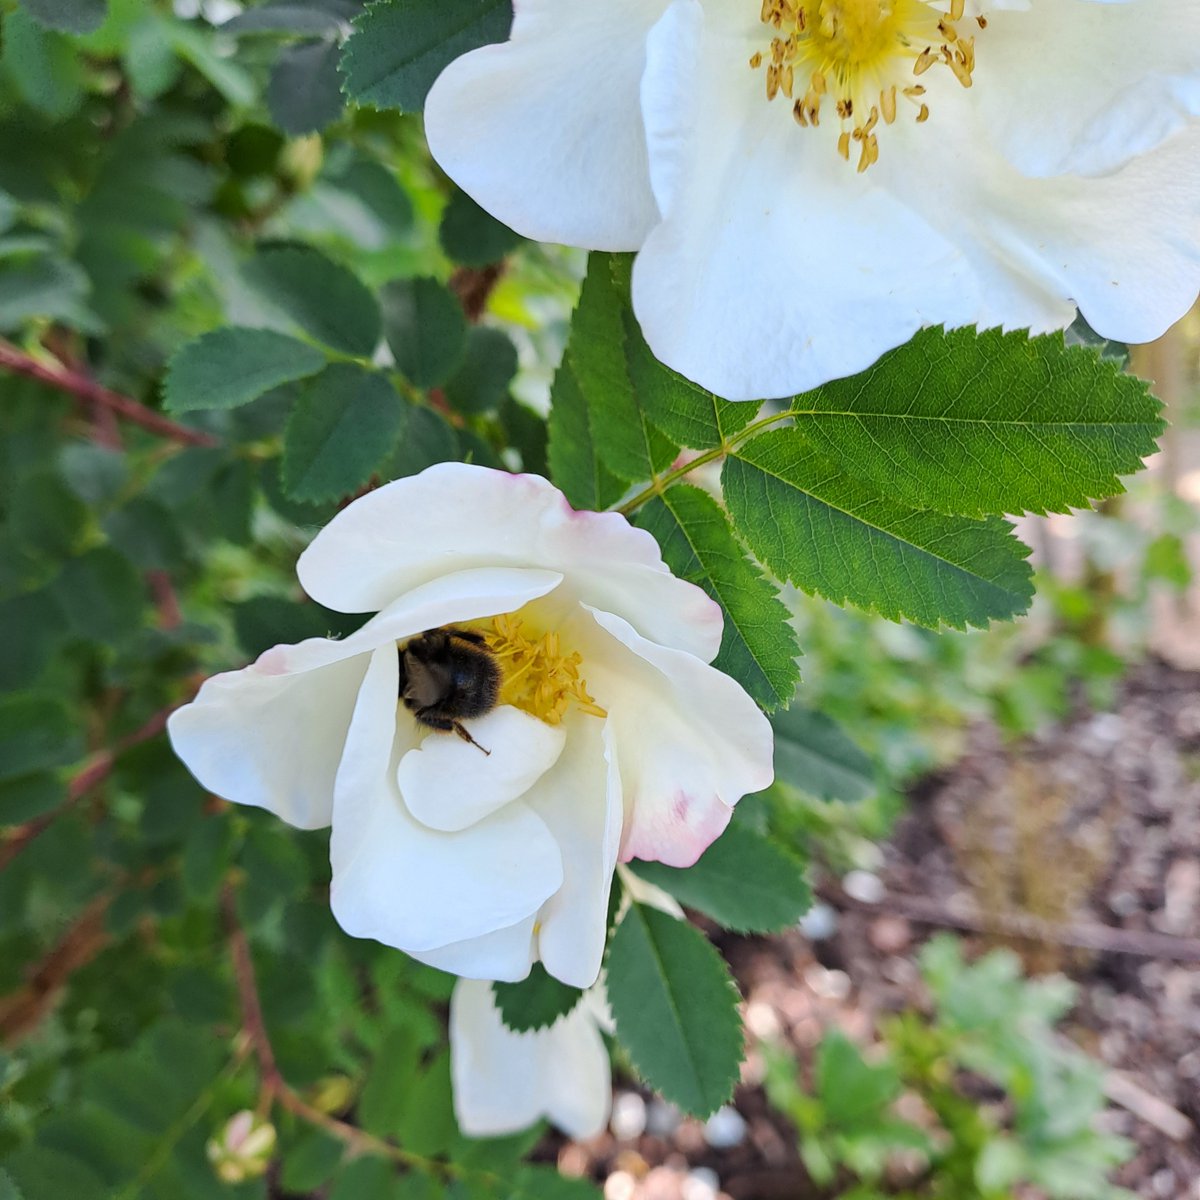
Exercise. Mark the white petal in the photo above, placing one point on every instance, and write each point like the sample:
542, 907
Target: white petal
271, 740
690, 740
448, 784
580, 801
544, 131
504, 1081
271, 734
1124, 247
1079, 88
455, 516
827, 270
506, 954
408, 886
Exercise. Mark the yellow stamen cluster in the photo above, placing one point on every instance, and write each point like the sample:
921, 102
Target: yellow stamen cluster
855, 54
538, 676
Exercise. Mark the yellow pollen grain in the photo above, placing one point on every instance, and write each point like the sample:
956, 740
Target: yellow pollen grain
536, 675
863, 55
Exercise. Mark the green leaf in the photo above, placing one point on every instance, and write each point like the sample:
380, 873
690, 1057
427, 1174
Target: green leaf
990, 423
304, 94
36, 734
675, 1007
853, 1092
545, 1183
40, 1172
385, 1095
345, 423
147, 533
323, 298
399, 47
28, 796
366, 1178
310, 1161
481, 381
758, 647
428, 438
599, 433
472, 236
230, 367
102, 596
743, 881
43, 66
265, 621
43, 287
298, 19
828, 534
425, 328
813, 753
68, 16
536, 1002
47, 517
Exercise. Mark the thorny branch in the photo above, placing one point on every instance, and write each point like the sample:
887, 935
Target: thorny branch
96, 396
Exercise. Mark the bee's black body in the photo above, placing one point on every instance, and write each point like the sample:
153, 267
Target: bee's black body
448, 676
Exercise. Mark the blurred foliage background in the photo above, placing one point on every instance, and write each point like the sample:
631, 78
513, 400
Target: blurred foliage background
165, 170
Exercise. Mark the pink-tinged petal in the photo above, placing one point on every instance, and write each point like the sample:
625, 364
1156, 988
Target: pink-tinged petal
455, 516
1108, 82
580, 801
271, 734
505, 1081
690, 742
827, 269
273, 741
545, 131
408, 886
449, 785
506, 955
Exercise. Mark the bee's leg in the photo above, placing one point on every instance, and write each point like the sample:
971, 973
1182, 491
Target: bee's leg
461, 730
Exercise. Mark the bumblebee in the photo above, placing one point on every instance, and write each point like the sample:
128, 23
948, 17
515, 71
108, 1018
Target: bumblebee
448, 676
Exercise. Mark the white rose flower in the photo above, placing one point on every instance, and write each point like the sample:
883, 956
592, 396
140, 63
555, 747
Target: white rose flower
504, 1081
808, 182
485, 846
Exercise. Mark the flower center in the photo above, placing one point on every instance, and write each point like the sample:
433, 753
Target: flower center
536, 674
863, 57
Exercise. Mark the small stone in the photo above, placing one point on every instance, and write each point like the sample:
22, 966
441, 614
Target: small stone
890, 934
819, 923
725, 1129
628, 1117
620, 1185
864, 886
701, 1184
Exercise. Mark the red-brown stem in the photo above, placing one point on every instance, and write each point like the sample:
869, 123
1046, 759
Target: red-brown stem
97, 396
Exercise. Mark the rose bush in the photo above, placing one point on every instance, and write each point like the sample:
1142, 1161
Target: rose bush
807, 184
613, 738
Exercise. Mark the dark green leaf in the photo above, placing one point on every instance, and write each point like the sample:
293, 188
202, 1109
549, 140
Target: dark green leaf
28, 796
545, 1183
310, 1161
425, 328
481, 381
571, 452
102, 596
68, 16
428, 438
40, 1172
298, 19
759, 646
265, 621
853, 1093
146, 532
472, 236
828, 534
46, 516
43, 66
991, 423
385, 1095
399, 47
814, 754
304, 94
323, 298
536, 1002
675, 1008
43, 287
345, 423
230, 367
743, 881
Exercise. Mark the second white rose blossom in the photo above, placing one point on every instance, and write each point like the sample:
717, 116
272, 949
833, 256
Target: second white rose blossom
809, 182
486, 846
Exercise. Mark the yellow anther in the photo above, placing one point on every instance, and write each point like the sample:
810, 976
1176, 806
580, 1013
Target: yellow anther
537, 676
